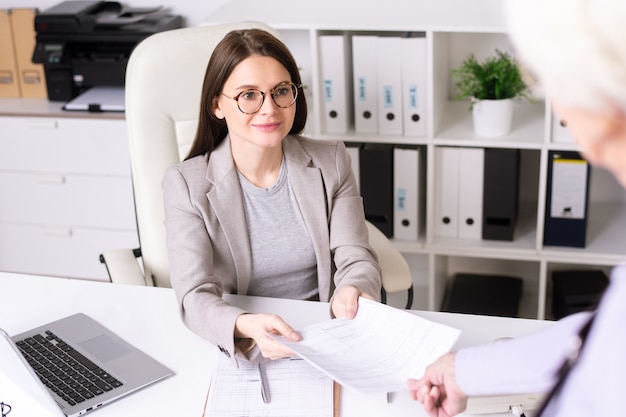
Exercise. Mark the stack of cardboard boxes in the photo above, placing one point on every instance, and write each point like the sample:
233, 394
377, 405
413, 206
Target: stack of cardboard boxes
19, 77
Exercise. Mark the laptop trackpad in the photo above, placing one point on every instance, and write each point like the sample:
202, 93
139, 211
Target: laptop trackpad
104, 348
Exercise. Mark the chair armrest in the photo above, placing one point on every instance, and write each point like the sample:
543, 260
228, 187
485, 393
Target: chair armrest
123, 267
396, 274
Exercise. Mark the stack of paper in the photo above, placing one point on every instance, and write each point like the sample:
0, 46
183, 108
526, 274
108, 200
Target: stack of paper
295, 388
377, 351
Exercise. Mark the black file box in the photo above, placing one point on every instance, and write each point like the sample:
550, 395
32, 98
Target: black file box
500, 193
576, 290
376, 172
491, 295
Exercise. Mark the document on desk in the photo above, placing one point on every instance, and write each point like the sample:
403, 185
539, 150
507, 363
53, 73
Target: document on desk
295, 388
377, 351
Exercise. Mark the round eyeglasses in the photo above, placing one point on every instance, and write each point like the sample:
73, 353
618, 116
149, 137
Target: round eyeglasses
250, 101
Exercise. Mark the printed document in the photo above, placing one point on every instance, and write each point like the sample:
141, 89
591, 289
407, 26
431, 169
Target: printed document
295, 388
377, 351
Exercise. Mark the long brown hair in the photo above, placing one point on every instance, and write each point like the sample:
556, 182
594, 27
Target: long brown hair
234, 48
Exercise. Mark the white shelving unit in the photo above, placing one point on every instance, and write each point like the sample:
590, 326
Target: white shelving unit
453, 29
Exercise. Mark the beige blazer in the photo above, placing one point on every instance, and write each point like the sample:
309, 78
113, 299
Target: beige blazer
207, 237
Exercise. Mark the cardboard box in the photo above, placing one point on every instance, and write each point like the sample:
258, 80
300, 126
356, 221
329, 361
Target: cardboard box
9, 83
31, 76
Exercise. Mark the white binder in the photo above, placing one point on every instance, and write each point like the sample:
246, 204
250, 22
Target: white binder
560, 132
389, 73
364, 84
446, 191
414, 93
471, 169
336, 92
406, 195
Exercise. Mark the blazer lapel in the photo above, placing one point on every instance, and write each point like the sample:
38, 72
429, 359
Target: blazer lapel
227, 204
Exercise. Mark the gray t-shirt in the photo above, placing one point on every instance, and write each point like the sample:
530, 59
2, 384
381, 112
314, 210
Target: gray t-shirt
283, 257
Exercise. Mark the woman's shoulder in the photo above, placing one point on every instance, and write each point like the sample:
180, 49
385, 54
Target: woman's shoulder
191, 171
317, 148
322, 143
190, 165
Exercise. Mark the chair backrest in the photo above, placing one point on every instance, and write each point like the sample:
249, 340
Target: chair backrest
164, 79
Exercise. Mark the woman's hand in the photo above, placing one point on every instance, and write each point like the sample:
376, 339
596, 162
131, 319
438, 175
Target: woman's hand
255, 327
346, 301
438, 390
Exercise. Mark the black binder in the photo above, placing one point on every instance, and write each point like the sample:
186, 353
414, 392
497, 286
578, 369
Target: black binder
567, 200
376, 172
500, 193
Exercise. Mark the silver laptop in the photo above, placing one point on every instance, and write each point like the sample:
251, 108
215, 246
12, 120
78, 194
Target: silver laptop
80, 363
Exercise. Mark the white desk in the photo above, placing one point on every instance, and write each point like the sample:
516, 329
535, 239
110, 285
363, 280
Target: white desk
148, 318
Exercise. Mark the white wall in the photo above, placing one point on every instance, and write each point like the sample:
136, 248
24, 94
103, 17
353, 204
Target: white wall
193, 11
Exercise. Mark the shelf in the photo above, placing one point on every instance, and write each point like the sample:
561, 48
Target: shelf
523, 247
528, 271
527, 131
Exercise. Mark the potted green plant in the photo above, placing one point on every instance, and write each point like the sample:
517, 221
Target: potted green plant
491, 85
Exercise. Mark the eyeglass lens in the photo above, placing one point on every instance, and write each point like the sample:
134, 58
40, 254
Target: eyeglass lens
284, 95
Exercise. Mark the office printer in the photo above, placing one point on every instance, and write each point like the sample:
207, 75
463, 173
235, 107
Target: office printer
84, 44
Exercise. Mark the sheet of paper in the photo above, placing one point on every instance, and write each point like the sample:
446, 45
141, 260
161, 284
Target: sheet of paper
295, 389
98, 99
377, 351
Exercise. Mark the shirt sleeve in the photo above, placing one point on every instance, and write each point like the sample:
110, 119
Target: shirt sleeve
527, 364
353, 256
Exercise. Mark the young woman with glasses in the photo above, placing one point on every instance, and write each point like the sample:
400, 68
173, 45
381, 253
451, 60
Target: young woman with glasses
258, 209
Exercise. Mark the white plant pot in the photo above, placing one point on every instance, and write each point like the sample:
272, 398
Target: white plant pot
492, 118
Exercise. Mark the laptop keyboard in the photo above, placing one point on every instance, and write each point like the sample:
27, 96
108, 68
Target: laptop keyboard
64, 370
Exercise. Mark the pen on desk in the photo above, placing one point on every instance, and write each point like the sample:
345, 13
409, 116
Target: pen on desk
265, 392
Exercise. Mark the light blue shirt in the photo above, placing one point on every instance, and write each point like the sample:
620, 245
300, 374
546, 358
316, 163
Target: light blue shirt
594, 387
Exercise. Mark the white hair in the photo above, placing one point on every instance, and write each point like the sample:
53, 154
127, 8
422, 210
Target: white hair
576, 48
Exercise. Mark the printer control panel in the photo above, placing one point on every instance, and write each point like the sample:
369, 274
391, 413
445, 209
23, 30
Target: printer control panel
48, 53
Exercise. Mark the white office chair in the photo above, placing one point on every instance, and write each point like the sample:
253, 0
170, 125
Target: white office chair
164, 80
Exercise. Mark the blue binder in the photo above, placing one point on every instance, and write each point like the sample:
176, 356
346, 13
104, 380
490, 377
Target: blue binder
567, 200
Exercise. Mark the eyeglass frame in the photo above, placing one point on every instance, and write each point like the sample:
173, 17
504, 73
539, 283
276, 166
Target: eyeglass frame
284, 83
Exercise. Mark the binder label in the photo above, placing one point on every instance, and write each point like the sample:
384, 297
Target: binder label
388, 96
401, 199
362, 89
569, 179
328, 91
412, 99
